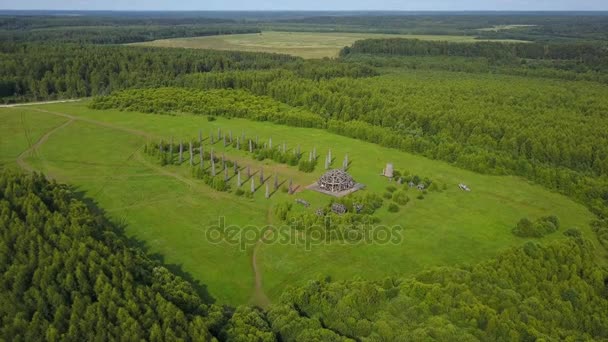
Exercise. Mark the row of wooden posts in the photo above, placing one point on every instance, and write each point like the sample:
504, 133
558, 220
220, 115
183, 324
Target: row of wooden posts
228, 139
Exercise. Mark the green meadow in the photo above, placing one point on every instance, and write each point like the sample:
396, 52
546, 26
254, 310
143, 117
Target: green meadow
169, 211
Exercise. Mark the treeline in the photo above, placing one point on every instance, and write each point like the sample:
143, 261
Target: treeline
570, 70
588, 53
67, 274
553, 292
554, 135
40, 72
220, 102
44, 71
119, 34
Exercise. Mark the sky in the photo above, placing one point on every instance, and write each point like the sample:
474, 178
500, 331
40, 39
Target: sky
327, 5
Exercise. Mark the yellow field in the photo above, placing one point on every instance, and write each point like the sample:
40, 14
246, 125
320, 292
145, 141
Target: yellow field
302, 44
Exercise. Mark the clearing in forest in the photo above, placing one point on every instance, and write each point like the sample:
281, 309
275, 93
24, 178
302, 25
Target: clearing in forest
101, 153
302, 44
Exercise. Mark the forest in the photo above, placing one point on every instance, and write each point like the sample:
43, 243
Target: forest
67, 273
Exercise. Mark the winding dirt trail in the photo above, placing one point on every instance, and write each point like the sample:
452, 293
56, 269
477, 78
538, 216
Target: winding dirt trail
21, 157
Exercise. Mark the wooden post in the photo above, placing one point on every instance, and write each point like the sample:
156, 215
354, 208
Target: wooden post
223, 161
219, 134
270, 143
171, 152
225, 174
252, 185
314, 152
200, 137
250, 146
160, 147
310, 157
329, 156
298, 151
191, 154
345, 163
326, 163
201, 156
238, 179
211, 139
276, 182
267, 191
290, 190
236, 167
238, 143
224, 140
181, 152
284, 148
230, 136
261, 175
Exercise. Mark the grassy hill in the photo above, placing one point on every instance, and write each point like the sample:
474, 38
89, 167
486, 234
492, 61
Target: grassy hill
101, 152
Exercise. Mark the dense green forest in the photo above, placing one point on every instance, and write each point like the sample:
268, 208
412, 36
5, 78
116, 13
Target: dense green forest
530, 293
112, 29
40, 72
68, 274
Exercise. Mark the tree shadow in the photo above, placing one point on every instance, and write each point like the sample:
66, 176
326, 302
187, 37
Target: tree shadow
118, 227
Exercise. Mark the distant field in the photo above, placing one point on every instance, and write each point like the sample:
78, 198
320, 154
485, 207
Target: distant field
504, 27
302, 44
100, 152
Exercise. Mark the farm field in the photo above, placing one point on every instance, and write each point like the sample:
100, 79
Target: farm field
101, 153
302, 44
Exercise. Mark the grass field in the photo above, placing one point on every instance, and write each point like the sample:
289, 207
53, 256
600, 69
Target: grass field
302, 44
100, 152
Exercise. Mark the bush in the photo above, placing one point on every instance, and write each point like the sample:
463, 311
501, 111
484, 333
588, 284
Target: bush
420, 197
393, 208
539, 228
239, 192
573, 232
387, 195
306, 166
400, 197
211, 118
391, 188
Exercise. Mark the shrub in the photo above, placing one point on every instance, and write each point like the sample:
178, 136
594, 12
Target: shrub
391, 188
393, 208
400, 197
306, 166
420, 197
210, 118
388, 195
239, 192
573, 232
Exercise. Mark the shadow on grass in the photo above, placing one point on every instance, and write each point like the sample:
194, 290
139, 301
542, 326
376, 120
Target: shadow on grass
118, 228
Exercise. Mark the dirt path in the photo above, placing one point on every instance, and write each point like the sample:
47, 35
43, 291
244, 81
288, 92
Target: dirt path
21, 157
99, 123
36, 103
259, 296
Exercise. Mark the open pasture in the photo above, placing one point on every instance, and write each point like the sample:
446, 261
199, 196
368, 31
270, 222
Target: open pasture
100, 152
